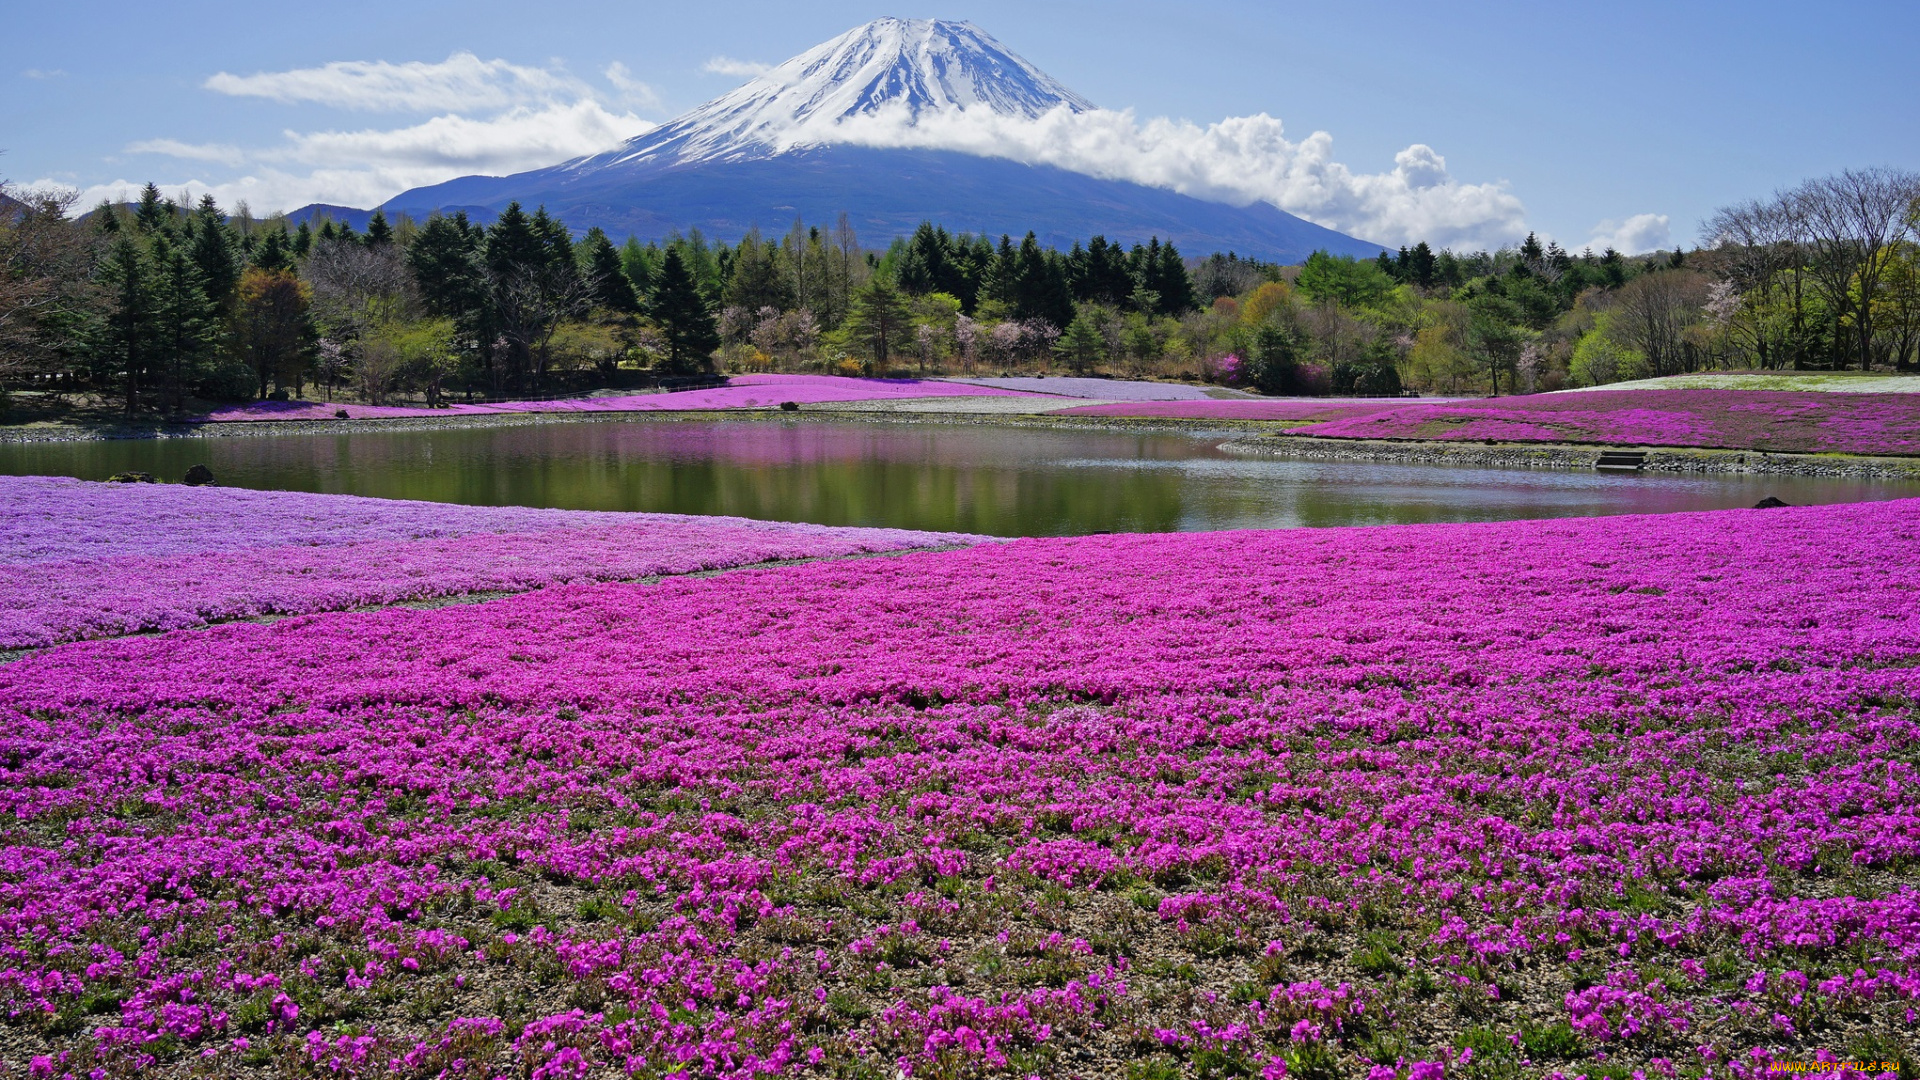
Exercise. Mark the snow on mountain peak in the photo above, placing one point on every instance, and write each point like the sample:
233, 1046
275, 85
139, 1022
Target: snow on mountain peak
908, 67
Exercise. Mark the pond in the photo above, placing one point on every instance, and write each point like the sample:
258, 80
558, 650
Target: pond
1001, 480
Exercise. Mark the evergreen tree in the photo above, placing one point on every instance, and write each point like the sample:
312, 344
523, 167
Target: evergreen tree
215, 252
755, 277
1082, 346
302, 240
273, 253
128, 334
445, 260
879, 320
683, 315
152, 213
1038, 288
378, 231
1419, 266
1167, 277
641, 264
612, 290
1274, 366
185, 319
512, 245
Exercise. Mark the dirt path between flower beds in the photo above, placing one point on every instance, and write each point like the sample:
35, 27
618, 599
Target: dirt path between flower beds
7, 656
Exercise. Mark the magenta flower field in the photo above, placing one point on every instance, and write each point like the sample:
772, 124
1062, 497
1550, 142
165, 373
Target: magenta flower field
81, 560
1735, 419
1618, 797
1807, 422
1295, 410
742, 392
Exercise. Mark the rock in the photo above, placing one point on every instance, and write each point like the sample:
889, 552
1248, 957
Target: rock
789, 406
1769, 503
198, 476
340, 414
132, 478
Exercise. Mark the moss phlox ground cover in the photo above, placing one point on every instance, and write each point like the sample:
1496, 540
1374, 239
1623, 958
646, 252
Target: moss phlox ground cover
1602, 797
1796, 421
82, 559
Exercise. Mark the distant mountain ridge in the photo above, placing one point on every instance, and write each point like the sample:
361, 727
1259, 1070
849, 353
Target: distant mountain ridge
767, 152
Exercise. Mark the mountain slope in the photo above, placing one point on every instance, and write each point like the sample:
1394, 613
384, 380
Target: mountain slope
887, 193
771, 151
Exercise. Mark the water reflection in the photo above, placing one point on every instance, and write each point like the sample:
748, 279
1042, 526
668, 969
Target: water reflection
1006, 481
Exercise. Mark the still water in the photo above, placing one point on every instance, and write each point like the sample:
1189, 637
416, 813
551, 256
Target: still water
1005, 481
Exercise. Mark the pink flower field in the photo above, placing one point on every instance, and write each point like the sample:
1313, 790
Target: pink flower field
1612, 797
743, 392
1803, 421
1293, 410
82, 560
1798, 421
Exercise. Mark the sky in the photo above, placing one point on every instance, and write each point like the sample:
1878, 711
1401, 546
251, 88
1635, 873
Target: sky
1593, 124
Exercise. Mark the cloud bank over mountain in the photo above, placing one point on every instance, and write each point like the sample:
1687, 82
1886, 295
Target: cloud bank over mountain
1239, 161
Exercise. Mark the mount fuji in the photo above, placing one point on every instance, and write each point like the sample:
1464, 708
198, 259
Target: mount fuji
783, 147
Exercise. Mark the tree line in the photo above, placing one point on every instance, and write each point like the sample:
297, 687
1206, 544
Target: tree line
159, 303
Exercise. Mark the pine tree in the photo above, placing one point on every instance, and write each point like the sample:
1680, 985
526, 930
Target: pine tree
185, 319
378, 231
755, 278
1082, 346
273, 253
879, 320
126, 342
611, 287
215, 253
683, 315
153, 213
641, 264
511, 244
445, 260
1167, 276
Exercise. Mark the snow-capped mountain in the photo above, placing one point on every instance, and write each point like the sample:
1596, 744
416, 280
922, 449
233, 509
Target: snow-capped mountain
780, 147
915, 66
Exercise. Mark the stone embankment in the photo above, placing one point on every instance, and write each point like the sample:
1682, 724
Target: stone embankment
1573, 456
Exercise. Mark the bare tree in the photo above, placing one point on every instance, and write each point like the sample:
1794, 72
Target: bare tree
1759, 243
1851, 220
356, 286
1652, 312
46, 275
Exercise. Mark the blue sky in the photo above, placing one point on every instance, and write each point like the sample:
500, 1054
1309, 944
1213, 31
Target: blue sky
1588, 121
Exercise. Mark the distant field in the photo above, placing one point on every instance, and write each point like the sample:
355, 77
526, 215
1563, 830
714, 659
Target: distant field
1832, 382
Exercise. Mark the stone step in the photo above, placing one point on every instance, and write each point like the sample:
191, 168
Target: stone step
1621, 460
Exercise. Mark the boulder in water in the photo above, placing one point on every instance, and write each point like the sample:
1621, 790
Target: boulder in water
1769, 503
198, 476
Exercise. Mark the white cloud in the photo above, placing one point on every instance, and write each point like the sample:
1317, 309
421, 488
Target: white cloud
494, 118
1239, 160
516, 140
632, 90
42, 73
1637, 235
367, 167
739, 69
462, 81
219, 153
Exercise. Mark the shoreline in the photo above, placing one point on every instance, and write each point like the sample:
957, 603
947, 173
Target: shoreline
1579, 456
1252, 438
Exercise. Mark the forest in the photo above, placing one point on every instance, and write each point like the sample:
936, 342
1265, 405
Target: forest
164, 304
